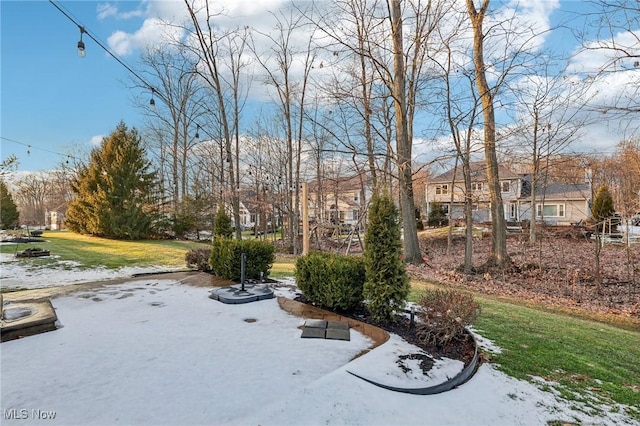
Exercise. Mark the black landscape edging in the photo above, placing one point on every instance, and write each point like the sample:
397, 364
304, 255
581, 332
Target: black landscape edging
457, 380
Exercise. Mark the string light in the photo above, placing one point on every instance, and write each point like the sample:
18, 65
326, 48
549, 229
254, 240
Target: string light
29, 147
81, 51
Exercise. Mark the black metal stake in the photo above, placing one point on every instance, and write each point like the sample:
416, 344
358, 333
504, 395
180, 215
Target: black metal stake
243, 261
412, 321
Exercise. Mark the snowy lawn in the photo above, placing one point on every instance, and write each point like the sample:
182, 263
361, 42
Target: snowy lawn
161, 352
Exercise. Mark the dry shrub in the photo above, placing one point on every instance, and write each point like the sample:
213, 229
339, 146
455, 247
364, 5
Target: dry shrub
443, 315
199, 258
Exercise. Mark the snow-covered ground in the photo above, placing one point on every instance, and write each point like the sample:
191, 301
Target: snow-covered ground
161, 352
49, 271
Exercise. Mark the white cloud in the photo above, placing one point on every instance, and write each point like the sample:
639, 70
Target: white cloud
96, 140
152, 33
106, 10
618, 53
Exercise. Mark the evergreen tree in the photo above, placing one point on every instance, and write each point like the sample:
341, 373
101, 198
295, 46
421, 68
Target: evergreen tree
437, 215
386, 284
602, 205
113, 192
222, 224
8, 210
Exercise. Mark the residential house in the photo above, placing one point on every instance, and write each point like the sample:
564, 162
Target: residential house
448, 190
339, 201
257, 209
556, 203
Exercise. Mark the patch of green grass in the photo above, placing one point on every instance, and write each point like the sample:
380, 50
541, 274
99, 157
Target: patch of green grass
591, 362
91, 252
283, 267
585, 360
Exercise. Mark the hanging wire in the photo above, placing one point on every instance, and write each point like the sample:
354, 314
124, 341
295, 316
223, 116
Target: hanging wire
84, 30
30, 147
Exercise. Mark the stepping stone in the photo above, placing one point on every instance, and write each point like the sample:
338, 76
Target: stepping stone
313, 333
338, 334
337, 325
314, 323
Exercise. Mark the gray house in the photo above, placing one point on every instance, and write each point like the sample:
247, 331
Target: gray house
556, 203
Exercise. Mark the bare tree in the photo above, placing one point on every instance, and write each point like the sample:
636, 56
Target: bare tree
209, 42
291, 92
32, 192
499, 254
551, 106
173, 125
461, 113
611, 30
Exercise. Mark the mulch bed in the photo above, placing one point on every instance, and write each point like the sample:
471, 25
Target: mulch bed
461, 349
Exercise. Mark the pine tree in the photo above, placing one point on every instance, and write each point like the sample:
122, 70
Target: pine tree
113, 192
386, 284
8, 210
602, 205
437, 215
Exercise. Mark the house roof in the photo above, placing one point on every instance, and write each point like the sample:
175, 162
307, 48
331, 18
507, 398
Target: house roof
478, 173
341, 183
562, 191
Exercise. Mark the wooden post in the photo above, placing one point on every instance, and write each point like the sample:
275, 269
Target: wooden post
305, 220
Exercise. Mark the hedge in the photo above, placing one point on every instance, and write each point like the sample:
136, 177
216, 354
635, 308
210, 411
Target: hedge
226, 258
331, 280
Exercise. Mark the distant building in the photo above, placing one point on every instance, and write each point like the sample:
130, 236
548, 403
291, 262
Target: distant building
556, 203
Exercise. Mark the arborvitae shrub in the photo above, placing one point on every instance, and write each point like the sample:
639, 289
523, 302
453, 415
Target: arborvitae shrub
222, 223
226, 258
199, 258
331, 280
443, 315
387, 285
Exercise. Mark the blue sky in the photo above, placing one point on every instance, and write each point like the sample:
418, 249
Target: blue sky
53, 101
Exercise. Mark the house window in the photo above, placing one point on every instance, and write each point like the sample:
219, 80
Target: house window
506, 186
550, 210
476, 186
442, 189
512, 210
474, 207
445, 208
341, 214
355, 214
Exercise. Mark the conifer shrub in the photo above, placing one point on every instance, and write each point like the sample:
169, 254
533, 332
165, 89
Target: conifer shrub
443, 315
199, 259
330, 280
226, 258
386, 285
437, 216
222, 223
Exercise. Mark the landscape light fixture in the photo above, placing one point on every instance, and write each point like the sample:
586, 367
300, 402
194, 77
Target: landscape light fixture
81, 51
152, 102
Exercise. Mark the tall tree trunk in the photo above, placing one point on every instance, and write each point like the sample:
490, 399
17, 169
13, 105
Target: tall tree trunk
404, 145
499, 255
534, 179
